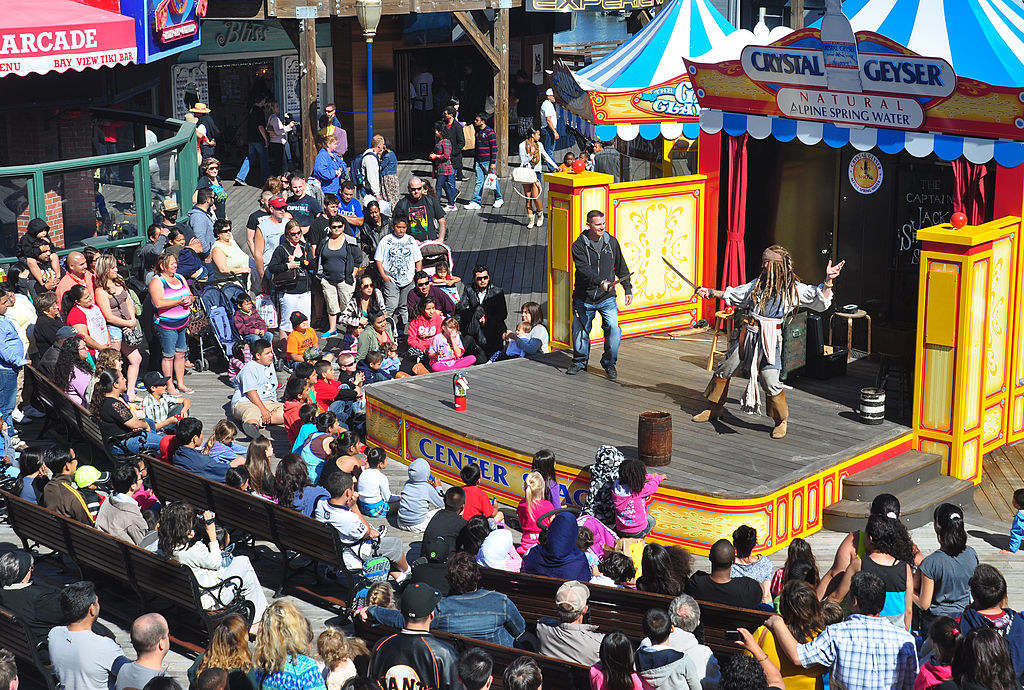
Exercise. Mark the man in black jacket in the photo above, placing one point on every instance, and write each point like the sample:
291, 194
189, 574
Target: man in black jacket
482, 311
599, 263
414, 657
453, 133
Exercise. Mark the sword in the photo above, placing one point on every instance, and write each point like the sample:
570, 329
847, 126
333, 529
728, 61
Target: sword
678, 273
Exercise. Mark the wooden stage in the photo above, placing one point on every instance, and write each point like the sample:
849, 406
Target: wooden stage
722, 474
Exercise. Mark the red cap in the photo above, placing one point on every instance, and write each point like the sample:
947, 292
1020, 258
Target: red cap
277, 202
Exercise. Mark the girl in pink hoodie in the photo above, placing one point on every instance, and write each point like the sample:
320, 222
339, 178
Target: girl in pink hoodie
943, 635
629, 494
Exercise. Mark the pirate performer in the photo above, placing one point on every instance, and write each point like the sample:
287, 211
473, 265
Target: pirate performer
758, 350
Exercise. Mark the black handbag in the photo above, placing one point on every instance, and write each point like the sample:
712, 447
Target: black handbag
287, 278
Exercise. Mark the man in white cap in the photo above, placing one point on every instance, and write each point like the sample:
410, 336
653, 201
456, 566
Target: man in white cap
569, 638
548, 121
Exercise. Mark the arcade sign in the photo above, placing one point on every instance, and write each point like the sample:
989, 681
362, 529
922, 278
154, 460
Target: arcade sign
879, 72
587, 5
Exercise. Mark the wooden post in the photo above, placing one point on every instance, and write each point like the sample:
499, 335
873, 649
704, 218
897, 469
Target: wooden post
501, 89
796, 14
307, 91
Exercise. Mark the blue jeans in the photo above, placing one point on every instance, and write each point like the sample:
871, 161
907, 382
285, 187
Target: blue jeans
8, 396
136, 444
547, 137
447, 183
482, 170
171, 342
257, 152
583, 319
253, 338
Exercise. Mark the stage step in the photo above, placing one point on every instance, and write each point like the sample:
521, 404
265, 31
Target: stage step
914, 477
900, 473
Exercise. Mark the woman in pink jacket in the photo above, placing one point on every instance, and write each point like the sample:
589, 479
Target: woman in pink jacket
426, 325
446, 350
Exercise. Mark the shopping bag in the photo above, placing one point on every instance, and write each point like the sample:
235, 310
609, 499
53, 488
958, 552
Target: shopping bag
265, 308
491, 182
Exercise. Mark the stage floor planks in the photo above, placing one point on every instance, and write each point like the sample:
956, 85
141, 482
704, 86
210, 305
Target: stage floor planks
525, 405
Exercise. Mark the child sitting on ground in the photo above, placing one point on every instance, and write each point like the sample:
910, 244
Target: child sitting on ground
372, 367
296, 395
162, 411
477, 500
935, 668
374, 488
240, 356
337, 512
1017, 528
530, 508
446, 281
512, 348
391, 363
248, 322
221, 445
336, 652
629, 494
349, 343
585, 540
421, 497
301, 338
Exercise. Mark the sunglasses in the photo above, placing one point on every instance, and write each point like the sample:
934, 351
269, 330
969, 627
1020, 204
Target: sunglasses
295, 234
415, 189
423, 283
482, 277
337, 227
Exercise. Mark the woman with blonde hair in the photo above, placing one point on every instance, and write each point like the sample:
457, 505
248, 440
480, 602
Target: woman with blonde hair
530, 508
115, 301
229, 650
209, 178
281, 653
336, 651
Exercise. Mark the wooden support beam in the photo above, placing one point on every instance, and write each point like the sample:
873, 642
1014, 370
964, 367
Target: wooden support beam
307, 91
501, 120
796, 19
478, 38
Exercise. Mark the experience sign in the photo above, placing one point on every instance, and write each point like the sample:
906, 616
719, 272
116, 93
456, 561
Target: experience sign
850, 108
879, 73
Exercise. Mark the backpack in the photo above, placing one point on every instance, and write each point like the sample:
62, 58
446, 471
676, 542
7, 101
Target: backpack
358, 175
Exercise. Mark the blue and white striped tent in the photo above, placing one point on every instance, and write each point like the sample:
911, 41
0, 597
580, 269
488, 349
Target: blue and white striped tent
981, 39
682, 29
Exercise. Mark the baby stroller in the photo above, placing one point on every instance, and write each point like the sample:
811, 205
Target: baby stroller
434, 252
211, 323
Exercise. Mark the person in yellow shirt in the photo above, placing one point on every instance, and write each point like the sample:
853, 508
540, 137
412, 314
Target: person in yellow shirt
801, 611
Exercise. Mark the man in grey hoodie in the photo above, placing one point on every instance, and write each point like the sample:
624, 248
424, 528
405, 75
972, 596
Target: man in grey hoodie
421, 497
659, 665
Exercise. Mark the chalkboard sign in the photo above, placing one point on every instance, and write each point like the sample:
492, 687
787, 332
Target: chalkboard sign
924, 198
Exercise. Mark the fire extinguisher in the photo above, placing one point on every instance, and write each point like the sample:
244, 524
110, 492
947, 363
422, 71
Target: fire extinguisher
460, 386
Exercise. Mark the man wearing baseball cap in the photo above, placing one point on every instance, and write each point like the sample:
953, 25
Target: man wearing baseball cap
269, 232
569, 638
548, 122
49, 359
414, 657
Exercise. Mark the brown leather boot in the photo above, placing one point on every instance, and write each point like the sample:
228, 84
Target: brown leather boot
717, 392
778, 410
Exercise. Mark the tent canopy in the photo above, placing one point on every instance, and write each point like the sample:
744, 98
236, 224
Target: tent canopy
981, 39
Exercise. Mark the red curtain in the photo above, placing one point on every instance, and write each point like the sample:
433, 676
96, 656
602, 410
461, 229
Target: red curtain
969, 197
734, 270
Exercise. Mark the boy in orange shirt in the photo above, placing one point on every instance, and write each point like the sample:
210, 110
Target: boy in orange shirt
300, 339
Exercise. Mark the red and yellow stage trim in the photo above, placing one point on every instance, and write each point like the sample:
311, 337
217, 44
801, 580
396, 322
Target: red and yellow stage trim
693, 520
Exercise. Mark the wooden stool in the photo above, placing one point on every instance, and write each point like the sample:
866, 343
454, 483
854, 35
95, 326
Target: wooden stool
727, 318
859, 314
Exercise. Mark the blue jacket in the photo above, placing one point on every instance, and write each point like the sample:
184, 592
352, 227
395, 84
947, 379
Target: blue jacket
1016, 531
1013, 634
202, 464
12, 349
483, 615
325, 169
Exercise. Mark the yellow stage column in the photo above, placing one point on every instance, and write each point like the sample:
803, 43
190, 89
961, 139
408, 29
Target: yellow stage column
570, 197
965, 332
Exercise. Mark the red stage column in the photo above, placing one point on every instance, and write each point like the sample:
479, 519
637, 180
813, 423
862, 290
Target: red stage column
709, 163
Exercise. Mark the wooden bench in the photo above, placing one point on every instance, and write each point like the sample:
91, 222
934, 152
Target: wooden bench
615, 608
74, 420
558, 674
149, 576
295, 535
19, 640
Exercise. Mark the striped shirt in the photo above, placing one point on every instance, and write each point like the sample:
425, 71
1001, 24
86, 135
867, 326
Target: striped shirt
486, 147
173, 318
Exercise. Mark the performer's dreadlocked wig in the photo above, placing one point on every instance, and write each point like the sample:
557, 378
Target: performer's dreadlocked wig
777, 280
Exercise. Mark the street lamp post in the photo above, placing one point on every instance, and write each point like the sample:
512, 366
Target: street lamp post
368, 13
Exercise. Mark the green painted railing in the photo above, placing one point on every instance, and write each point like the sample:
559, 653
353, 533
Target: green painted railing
182, 142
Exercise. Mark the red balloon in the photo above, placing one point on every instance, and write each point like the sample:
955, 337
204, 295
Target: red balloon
579, 165
958, 220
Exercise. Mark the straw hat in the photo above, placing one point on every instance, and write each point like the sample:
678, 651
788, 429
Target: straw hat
200, 108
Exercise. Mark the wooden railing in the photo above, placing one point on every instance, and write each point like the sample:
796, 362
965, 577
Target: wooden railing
576, 55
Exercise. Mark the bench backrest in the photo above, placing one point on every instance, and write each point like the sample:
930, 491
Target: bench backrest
17, 638
309, 537
558, 674
155, 575
172, 483
615, 608
32, 522
71, 413
242, 510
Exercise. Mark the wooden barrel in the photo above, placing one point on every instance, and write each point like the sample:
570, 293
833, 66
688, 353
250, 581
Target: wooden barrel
654, 438
872, 405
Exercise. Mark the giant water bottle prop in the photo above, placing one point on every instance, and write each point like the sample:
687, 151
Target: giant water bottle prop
460, 386
839, 46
